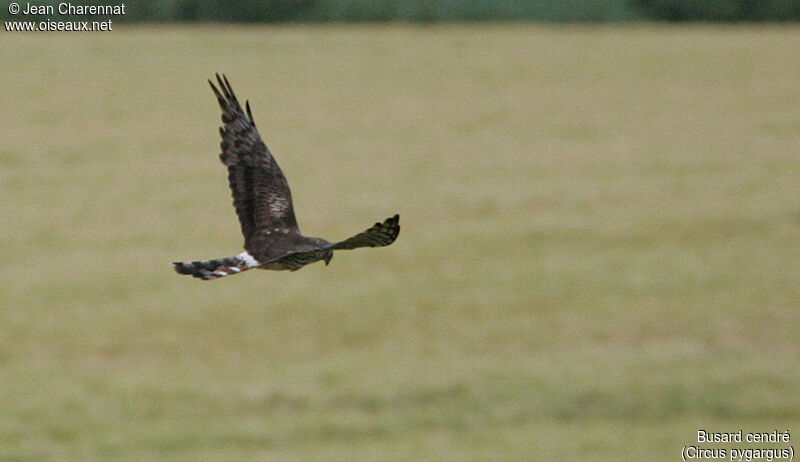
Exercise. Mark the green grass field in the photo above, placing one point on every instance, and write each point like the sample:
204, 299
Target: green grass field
600, 250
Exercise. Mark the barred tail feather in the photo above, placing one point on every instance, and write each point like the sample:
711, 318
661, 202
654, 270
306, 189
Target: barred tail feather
214, 269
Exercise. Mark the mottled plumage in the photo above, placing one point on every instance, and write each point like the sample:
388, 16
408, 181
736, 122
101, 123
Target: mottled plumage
263, 202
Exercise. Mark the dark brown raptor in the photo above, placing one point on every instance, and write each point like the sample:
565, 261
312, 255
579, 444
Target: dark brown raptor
263, 202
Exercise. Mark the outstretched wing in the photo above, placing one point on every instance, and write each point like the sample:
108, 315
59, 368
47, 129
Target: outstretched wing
379, 235
260, 191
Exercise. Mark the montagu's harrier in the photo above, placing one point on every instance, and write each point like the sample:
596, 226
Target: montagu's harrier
262, 199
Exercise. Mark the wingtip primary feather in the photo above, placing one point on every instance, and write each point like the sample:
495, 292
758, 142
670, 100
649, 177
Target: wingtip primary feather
223, 87
220, 99
228, 84
249, 114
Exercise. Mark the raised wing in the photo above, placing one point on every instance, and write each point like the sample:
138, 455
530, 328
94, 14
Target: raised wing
261, 194
379, 235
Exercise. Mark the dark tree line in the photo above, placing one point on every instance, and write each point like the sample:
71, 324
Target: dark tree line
448, 10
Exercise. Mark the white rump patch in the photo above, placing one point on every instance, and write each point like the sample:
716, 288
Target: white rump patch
248, 260
220, 273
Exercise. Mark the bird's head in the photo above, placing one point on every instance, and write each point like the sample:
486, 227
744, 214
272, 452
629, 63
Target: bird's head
328, 257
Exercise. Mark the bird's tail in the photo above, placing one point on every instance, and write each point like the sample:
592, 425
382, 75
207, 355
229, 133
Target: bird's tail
213, 269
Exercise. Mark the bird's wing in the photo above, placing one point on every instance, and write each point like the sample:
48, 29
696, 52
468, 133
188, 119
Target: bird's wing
378, 235
260, 191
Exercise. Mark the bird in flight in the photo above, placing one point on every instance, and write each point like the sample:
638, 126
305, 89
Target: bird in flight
263, 202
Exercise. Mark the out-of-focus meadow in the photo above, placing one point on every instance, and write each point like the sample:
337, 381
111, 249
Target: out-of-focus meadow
600, 250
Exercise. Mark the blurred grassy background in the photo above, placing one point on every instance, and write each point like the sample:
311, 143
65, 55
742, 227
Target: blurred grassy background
599, 251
